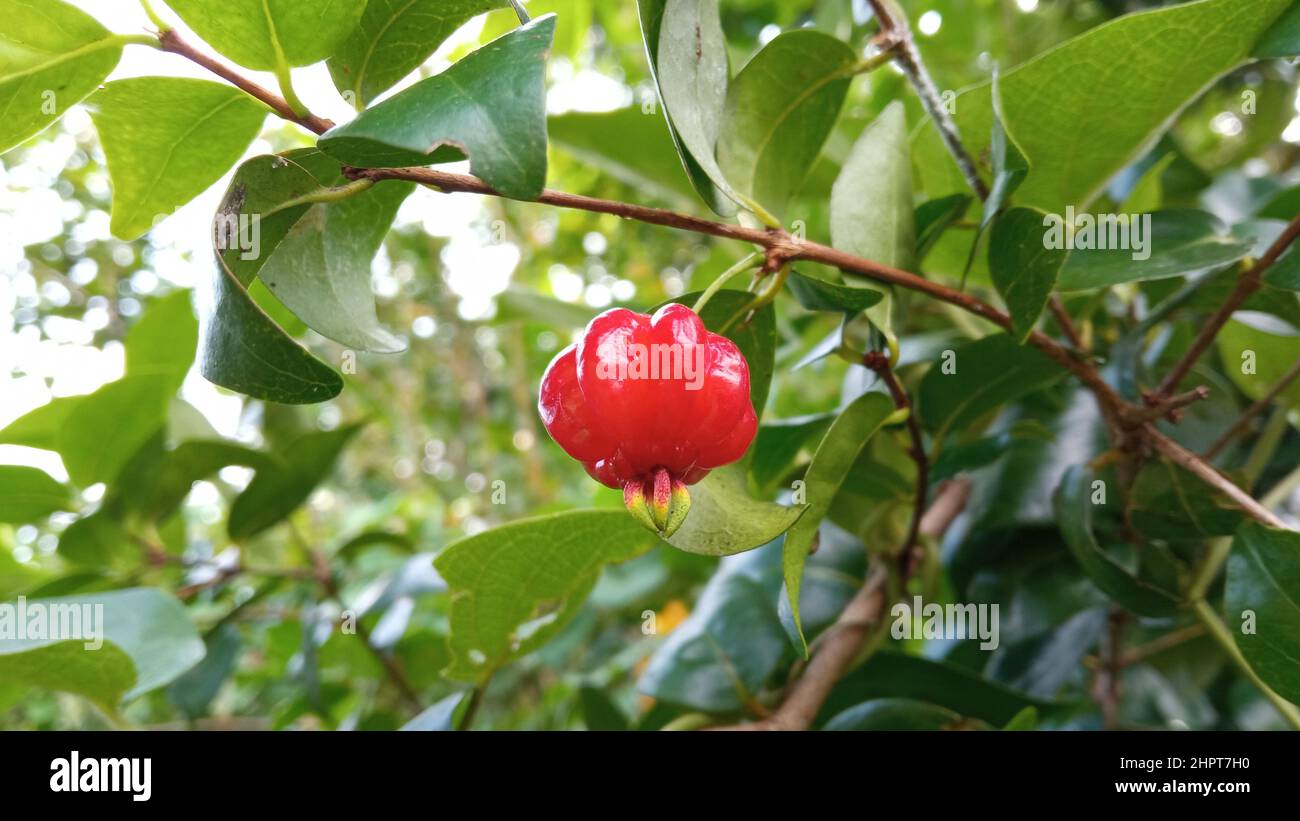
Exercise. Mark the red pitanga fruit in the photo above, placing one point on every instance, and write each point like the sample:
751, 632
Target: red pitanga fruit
649, 405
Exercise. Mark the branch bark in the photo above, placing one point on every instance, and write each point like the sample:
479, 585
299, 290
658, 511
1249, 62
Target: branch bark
836, 651
1248, 284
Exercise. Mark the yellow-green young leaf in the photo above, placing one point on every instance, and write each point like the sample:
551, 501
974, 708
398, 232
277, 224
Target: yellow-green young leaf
267, 34
725, 519
51, 56
1262, 604
872, 214
687, 52
1023, 267
166, 140
491, 105
164, 340
781, 107
104, 429
514, 586
103, 676
28, 494
1257, 350
394, 38
279, 487
834, 458
1155, 61
148, 641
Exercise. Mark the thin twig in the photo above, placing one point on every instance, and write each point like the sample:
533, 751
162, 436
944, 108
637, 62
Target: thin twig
1065, 323
171, 41
893, 24
879, 363
1248, 284
1158, 408
1251, 412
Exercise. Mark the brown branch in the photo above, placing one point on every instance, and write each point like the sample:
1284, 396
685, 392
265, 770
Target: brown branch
839, 647
171, 41
1158, 408
1189, 461
895, 29
1107, 676
1251, 412
1248, 284
1065, 323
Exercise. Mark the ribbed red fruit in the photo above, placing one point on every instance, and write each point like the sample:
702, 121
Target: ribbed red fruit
650, 404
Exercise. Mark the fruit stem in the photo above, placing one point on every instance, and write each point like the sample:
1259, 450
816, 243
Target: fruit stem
745, 264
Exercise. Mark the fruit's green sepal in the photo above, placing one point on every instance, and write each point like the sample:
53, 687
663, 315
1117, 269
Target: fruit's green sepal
634, 499
677, 510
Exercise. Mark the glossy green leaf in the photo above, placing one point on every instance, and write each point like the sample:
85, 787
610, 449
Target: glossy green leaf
241, 347
278, 488
149, 627
1262, 604
821, 295
687, 53
780, 109
266, 34
394, 38
1282, 39
725, 519
895, 714
1023, 268
167, 139
28, 495
491, 105
730, 645
1176, 242
985, 373
839, 449
631, 145
52, 55
1069, 132
872, 213
1074, 510
514, 586
194, 692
